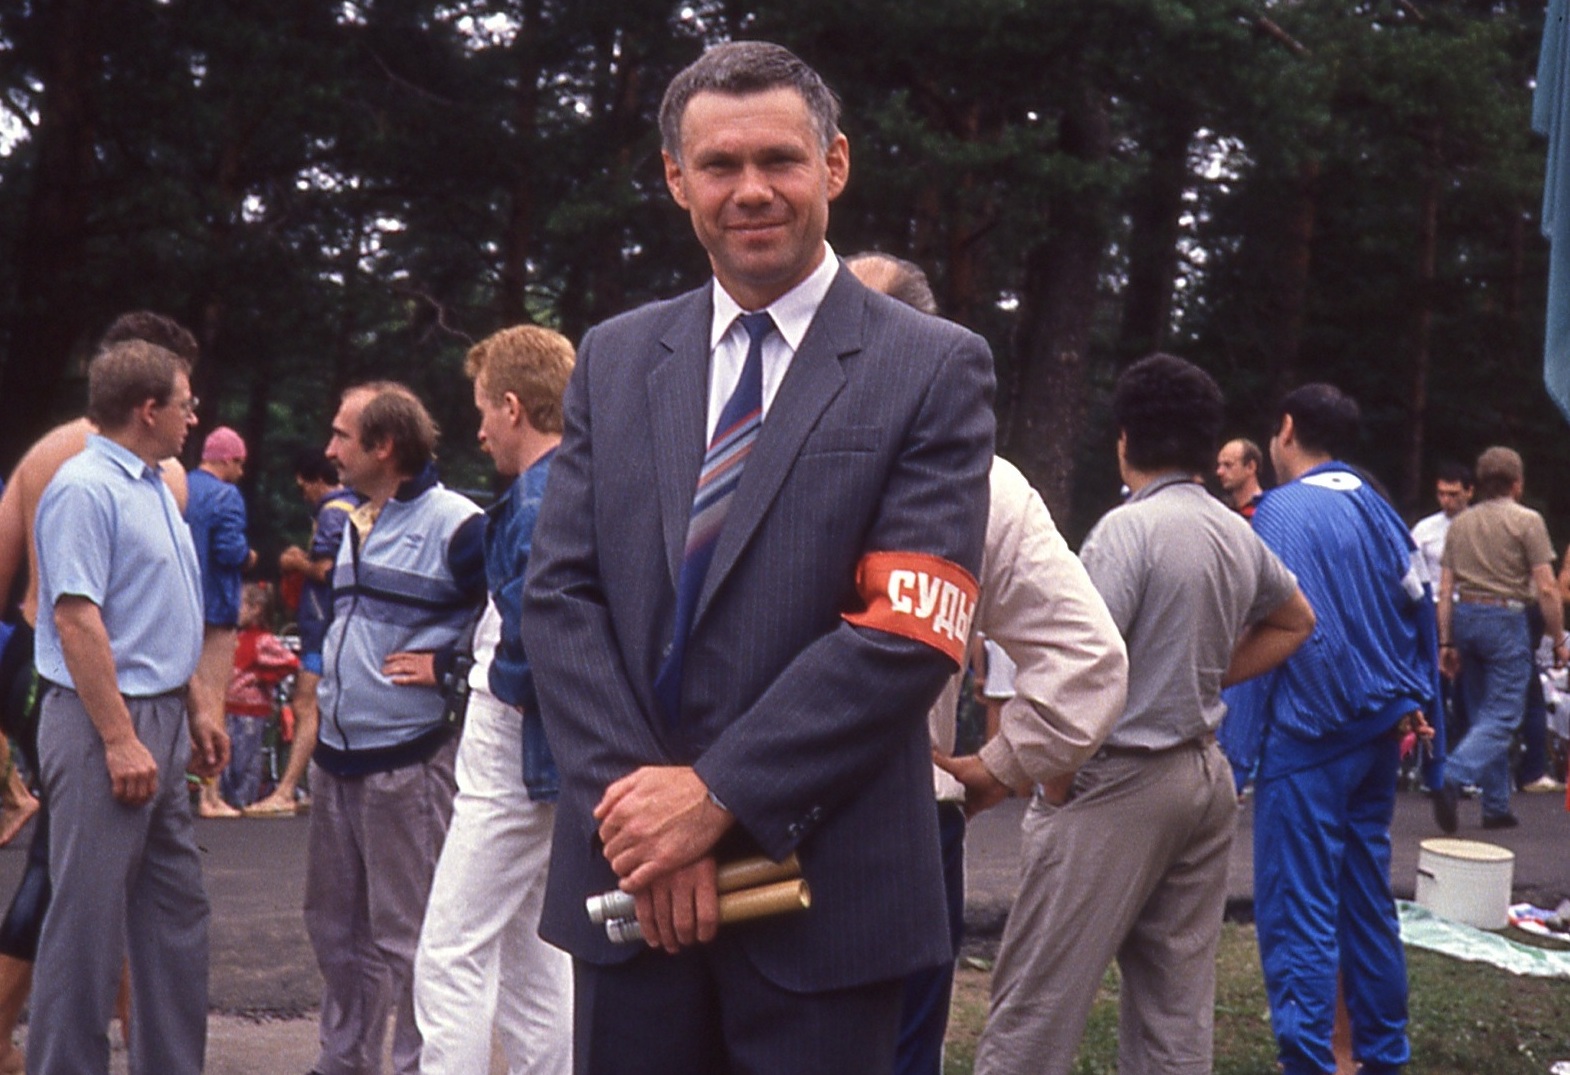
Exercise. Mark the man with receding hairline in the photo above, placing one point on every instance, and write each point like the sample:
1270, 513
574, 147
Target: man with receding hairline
1237, 469
407, 583
1042, 612
117, 643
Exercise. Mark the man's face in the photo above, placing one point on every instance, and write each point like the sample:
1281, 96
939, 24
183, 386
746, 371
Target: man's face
311, 490
1231, 471
229, 470
357, 466
173, 420
498, 432
1453, 497
757, 183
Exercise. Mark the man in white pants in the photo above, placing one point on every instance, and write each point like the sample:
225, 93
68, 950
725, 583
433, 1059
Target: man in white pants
481, 959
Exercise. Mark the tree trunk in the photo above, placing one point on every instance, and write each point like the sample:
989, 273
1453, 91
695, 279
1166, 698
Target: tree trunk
52, 318
517, 237
1153, 239
1058, 306
1287, 300
1410, 486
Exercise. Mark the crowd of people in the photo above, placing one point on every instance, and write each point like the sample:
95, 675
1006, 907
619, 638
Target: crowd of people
746, 540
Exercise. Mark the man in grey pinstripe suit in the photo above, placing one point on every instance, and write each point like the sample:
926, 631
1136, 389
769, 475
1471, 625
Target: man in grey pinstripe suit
836, 602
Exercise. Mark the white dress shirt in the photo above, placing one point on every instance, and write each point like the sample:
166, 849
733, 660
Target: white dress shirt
792, 313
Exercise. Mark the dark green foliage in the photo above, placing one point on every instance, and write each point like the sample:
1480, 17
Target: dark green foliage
329, 192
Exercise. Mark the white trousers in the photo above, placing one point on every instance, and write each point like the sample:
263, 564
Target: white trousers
481, 960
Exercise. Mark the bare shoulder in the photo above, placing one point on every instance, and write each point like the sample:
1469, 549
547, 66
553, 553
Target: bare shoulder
49, 453
174, 478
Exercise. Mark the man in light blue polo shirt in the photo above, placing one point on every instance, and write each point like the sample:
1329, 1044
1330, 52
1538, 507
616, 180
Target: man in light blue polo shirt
119, 634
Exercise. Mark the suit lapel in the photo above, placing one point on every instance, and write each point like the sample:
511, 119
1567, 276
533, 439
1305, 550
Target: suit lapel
678, 405
815, 377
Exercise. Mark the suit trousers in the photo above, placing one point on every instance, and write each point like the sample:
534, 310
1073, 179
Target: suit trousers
372, 850
481, 959
924, 1012
708, 1011
125, 879
1133, 867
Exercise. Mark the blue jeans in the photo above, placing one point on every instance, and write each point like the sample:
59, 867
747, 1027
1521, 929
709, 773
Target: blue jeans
1496, 665
241, 783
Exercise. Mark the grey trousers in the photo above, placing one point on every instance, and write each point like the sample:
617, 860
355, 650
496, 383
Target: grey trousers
1132, 868
373, 846
126, 880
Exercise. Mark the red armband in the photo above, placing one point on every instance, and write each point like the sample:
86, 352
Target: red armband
917, 596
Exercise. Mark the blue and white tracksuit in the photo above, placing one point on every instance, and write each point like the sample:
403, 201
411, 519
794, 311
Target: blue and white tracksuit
1319, 736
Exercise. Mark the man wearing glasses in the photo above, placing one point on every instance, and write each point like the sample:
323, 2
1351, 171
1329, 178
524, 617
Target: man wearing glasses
119, 634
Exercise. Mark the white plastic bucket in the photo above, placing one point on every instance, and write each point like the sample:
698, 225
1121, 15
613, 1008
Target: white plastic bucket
1466, 881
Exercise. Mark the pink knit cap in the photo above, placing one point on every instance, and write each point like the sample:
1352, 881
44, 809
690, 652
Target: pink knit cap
223, 444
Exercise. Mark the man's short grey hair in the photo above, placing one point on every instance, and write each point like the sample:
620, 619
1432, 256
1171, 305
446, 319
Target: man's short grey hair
896, 278
738, 68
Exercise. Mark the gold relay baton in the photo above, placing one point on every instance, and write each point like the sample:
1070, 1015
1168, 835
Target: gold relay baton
740, 905
731, 877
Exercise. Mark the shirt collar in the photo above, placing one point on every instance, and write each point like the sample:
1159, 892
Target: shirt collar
133, 464
410, 488
792, 312
1162, 481
335, 494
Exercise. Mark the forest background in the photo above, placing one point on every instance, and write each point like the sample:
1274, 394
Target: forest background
330, 190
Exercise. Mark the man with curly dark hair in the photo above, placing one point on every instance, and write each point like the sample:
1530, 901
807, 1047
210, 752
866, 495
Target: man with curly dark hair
1129, 861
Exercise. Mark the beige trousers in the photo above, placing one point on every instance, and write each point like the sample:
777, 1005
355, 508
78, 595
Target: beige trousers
1133, 867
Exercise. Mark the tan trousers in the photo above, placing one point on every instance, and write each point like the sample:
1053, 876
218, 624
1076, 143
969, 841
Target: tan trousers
1132, 868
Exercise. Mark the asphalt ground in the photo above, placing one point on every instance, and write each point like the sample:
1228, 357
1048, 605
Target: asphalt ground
265, 986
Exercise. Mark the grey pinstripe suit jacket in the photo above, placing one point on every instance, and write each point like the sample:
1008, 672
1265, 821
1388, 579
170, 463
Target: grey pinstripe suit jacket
812, 731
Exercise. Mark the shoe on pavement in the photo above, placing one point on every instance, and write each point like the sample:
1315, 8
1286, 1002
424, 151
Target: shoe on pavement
1501, 821
1445, 797
1543, 783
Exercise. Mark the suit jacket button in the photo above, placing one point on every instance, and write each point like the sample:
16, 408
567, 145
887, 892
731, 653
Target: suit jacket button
666, 652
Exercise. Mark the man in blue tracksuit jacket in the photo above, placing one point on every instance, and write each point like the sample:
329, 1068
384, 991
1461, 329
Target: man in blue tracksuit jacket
1322, 736
408, 581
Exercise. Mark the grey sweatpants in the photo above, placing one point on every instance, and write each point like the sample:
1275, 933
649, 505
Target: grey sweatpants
126, 880
374, 843
1133, 868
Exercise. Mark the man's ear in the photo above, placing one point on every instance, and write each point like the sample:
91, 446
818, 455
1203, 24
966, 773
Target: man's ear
146, 413
1286, 434
673, 179
383, 449
515, 412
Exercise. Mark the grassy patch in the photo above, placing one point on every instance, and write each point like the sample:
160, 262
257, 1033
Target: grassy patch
1465, 1018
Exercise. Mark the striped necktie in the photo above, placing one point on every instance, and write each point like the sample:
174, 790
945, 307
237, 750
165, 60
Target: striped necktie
734, 434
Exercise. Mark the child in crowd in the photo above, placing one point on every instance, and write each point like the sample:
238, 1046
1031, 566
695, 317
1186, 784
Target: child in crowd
261, 661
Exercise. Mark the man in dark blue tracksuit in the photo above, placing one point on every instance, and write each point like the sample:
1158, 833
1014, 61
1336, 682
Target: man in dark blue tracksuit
1321, 735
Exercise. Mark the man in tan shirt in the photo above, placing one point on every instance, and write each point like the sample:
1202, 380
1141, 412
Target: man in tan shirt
1497, 558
